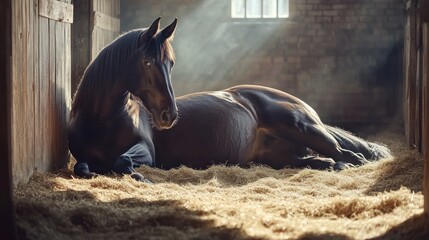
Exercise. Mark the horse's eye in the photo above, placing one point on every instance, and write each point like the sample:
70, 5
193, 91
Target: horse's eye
147, 64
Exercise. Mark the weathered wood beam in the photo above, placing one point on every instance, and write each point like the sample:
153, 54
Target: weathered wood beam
106, 22
410, 62
56, 10
425, 115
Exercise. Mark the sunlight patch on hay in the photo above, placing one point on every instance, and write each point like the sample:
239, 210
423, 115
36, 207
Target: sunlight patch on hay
229, 203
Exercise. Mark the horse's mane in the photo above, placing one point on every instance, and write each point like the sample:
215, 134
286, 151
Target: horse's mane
107, 67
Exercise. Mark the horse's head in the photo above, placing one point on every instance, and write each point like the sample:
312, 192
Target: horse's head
150, 77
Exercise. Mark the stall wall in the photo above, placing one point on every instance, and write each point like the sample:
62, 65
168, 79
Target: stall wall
40, 85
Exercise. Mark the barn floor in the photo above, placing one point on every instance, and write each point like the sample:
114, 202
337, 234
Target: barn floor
381, 200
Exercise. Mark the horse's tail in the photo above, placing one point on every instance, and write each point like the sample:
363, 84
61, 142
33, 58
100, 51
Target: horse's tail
371, 151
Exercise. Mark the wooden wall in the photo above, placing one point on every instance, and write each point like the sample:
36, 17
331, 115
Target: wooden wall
416, 82
40, 85
96, 24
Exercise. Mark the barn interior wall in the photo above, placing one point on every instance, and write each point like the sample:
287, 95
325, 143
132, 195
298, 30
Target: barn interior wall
342, 57
40, 94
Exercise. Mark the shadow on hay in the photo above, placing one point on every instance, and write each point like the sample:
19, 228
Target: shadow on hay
80, 215
405, 169
323, 236
413, 228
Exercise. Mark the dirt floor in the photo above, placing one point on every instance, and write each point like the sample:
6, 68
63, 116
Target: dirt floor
381, 200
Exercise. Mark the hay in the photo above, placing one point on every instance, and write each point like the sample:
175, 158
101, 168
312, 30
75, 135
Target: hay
381, 200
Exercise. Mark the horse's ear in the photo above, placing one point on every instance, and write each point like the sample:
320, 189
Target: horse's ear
153, 29
168, 32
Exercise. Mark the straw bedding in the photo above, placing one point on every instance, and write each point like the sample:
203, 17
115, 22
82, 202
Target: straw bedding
381, 200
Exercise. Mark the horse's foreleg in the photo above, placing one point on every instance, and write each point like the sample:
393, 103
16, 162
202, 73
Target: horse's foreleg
136, 156
81, 169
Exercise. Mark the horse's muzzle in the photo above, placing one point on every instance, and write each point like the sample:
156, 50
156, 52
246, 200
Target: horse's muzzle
166, 119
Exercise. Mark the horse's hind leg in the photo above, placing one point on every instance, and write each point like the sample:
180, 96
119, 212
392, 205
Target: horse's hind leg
317, 138
371, 151
305, 128
136, 156
279, 153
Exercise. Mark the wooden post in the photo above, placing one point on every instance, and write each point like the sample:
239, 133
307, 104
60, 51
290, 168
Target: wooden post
424, 13
81, 41
410, 66
7, 230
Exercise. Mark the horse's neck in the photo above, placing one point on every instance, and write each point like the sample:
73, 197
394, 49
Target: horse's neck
109, 104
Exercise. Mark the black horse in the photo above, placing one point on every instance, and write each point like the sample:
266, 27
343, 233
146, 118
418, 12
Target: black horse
125, 114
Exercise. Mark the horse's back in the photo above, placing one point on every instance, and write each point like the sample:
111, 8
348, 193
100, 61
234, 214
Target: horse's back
213, 128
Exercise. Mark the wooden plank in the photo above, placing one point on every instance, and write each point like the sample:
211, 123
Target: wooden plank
424, 10
44, 93
93, 30
410, 76
51, 96
96, 5
62, 89
64, 96
15, 93
38, 138
103, 8
425, 114
94, 43
418, 86
59, 91
67, 87
116, 8
22, 90
109, 8
418, 101
106, 22
56, 10
15, 85
30, 85
67, 80
8, 229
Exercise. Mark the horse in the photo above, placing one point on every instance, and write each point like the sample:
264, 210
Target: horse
125, 114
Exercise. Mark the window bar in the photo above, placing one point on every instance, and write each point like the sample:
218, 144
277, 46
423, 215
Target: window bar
262, 8
245, 9
277, 9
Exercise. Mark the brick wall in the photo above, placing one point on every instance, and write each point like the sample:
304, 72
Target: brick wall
343, 57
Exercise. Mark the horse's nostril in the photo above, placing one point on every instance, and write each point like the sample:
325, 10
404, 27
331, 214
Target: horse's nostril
165, 116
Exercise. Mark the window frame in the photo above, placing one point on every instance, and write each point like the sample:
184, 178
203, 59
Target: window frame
261, 18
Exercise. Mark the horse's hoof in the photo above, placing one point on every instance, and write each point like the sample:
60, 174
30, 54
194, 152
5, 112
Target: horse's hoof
139, 177
339, 166
91, 175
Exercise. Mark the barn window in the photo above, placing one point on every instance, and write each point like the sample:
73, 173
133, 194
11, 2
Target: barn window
259, 8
